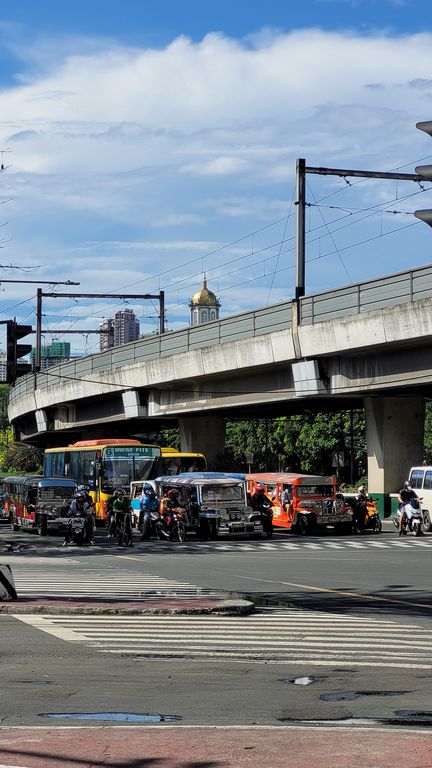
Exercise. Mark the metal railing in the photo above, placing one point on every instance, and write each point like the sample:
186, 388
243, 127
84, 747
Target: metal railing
399, 288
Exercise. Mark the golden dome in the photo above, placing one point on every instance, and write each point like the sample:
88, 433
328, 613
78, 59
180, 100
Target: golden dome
204, 296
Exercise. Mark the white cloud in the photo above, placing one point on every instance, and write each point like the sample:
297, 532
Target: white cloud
150, 160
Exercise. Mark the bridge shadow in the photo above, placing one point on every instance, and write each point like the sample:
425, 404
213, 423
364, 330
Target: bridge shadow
392, 601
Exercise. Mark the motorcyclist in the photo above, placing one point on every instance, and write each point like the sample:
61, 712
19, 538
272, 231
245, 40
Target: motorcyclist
80, 508
405, 496
262, 504
110, 514
148, 503
91, 509
122, 511
360, 508
169, 504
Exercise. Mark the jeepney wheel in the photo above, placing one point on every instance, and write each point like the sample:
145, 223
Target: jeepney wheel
213, 530
344, 528
42, 525
203, 530
303, 525
13, 525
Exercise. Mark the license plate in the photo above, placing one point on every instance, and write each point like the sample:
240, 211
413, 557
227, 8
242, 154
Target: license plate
237, 526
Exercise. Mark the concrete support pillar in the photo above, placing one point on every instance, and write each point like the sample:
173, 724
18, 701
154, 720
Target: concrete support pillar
204, 434
394, 434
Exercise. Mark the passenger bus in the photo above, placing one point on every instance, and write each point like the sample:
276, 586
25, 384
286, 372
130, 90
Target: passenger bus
174, 462
316, 502
103, 465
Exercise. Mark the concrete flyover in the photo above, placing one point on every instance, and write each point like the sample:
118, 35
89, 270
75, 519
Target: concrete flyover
366, 343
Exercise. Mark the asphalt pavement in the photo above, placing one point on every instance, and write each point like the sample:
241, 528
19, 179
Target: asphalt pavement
75, 686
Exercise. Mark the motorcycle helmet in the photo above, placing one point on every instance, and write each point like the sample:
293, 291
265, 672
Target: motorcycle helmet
172, 493
80, 496
361, 489
407, 484
259, 488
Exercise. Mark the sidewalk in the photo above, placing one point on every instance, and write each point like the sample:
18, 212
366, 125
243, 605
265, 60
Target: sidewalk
228, 747
169, 606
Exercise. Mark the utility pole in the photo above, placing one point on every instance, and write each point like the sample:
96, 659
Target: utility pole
302, 170
159, 296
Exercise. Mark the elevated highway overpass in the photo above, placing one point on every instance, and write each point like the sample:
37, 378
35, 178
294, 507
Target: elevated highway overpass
366, 343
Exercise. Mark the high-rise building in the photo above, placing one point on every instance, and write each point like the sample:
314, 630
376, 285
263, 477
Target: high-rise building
3, 367
204, 306
53, 354
126, 327
107, 337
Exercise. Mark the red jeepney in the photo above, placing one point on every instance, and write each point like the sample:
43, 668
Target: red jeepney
315, 502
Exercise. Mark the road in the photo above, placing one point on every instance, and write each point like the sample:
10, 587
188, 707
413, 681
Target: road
342, 635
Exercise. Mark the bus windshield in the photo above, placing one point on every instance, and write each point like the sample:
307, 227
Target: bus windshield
174, 465
122, 464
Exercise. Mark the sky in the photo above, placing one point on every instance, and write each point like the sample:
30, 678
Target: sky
146, 143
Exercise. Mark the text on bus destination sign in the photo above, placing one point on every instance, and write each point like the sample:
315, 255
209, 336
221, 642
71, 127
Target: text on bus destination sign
131, 451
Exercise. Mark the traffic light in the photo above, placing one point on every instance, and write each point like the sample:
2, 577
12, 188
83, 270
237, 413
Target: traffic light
426, 172
14, 351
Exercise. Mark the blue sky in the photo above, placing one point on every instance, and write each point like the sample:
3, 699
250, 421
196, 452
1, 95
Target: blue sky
149, 142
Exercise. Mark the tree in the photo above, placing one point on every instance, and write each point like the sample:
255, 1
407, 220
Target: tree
22, 458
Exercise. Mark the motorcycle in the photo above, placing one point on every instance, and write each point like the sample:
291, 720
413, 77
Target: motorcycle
366, 517
266, 519
414, 521
148, 524
171, 526
78, 530
264, 508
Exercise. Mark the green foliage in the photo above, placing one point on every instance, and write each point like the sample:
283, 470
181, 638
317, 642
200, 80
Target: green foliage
171, 438
6, 440
305, 442
20, 458
428, 434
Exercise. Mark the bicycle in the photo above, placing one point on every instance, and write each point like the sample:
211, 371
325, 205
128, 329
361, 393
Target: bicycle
124, 536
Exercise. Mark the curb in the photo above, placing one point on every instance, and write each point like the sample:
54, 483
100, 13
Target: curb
225, 608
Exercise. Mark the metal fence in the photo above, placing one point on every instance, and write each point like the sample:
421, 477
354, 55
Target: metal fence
399, 288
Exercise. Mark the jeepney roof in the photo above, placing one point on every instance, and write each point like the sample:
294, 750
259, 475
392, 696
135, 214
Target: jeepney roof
199, 478
287, 478
57, 482
26, 479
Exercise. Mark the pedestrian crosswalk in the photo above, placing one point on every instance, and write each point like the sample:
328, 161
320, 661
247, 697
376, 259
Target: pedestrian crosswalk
289, 636
99, 584
390, 542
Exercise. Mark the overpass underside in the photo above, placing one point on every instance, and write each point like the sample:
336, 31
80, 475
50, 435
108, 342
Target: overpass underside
343, 383
379, 359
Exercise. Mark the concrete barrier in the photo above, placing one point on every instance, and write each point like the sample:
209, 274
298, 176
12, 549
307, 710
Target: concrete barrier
7, 585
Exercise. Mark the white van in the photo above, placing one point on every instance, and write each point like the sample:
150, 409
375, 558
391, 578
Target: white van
420, 479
